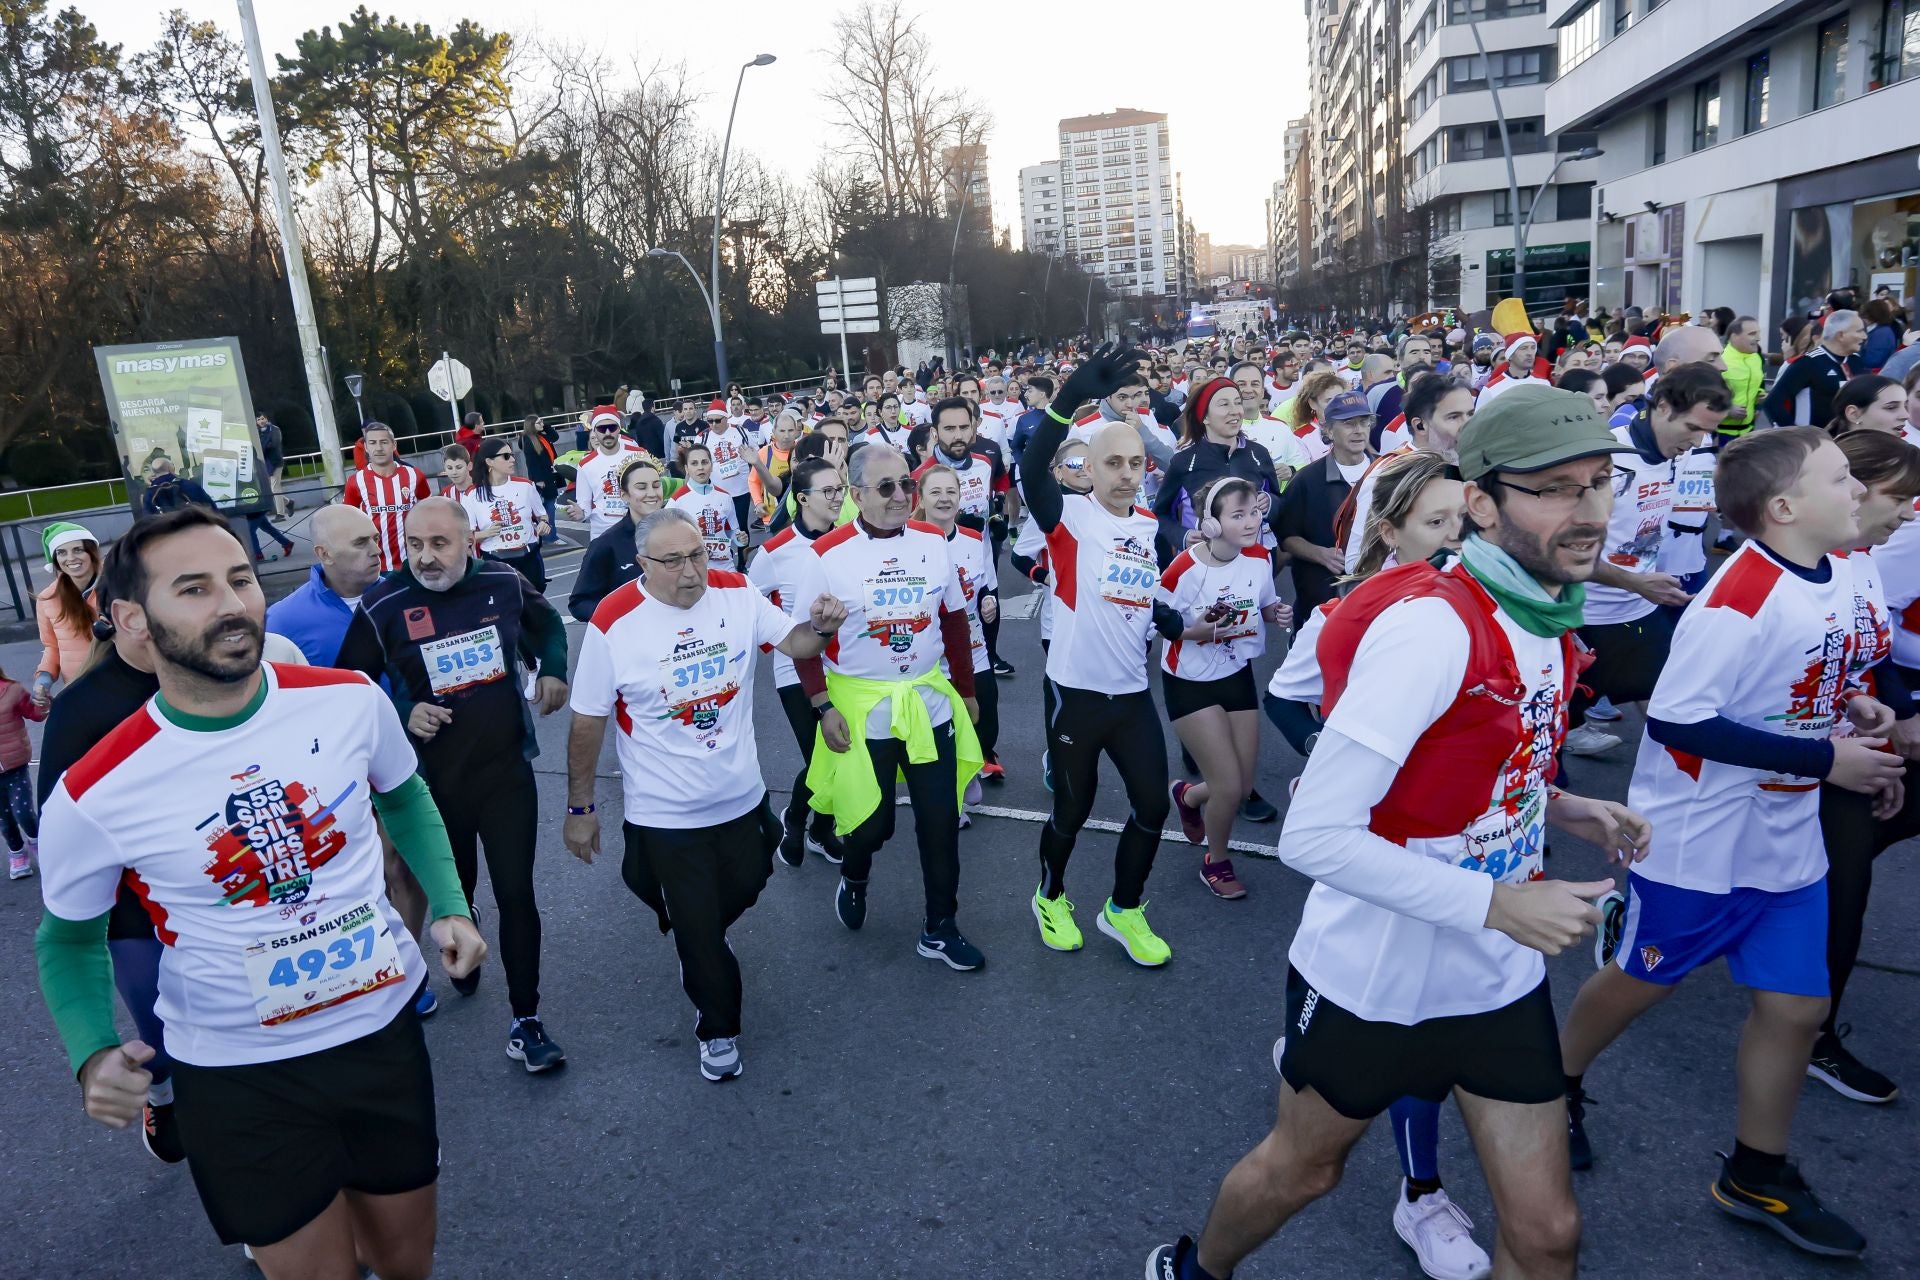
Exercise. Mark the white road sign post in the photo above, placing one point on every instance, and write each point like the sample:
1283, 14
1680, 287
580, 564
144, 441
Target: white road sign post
450, 380
848, 306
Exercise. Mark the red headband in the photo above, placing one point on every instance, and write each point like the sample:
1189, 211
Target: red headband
1205, 397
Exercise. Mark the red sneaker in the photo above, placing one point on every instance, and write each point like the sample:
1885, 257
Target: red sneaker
1219, 877
1193, 823
992, 772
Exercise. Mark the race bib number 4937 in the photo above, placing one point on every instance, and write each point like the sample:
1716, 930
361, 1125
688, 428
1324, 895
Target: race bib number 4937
332, 955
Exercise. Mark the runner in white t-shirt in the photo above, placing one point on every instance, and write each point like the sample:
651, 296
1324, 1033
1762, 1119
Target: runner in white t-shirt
507, 513
1105, 576
980, 586
670, 659
710, 510
287, 979
596, 486
1416, 968
735, 458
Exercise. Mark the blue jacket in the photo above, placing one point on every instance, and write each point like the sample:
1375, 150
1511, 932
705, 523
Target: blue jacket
314, 617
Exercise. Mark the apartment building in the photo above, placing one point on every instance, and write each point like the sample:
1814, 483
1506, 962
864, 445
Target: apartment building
1118, 194
1042, 219
1757, 155
1459, 56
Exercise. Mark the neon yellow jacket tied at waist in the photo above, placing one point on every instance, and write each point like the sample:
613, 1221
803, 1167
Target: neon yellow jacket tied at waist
843, 784
1745, 374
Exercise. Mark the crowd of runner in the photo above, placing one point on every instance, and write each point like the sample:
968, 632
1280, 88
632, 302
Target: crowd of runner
1474, 549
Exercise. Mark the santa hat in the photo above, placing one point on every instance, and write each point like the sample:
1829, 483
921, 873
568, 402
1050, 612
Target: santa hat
1515, 339
716, 408
1636, 341
604, 413
64, 533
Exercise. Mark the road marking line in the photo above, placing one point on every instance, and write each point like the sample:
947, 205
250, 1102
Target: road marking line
1101, 824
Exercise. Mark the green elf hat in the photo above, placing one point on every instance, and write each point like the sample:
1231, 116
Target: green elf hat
63, 533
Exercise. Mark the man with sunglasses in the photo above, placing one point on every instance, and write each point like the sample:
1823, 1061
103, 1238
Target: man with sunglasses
886, 707
776, 572
596, 487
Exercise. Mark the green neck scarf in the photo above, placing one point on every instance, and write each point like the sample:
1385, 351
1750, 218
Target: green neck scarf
1520, 593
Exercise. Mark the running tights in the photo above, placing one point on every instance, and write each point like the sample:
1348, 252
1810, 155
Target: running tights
805, 724
1854, 838
19, 820
498, 808
986, 692
936, 820
136, 974
1126, 727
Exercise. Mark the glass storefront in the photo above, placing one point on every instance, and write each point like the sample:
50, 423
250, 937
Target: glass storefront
1555, 272
1864, 243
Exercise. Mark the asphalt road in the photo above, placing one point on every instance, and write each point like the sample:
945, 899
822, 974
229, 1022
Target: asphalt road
1053, 1115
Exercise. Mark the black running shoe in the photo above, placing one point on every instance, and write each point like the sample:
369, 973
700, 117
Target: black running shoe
1579, 1150
529, 1044
160, 1133
850, 903
943, 942
1002, 668
1845, 1074
822, 841
793, 839
1255, 808
1787, 1205
1164, 1263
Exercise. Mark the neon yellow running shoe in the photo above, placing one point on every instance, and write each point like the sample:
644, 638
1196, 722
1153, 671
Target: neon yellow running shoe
1130, 930
1057, 928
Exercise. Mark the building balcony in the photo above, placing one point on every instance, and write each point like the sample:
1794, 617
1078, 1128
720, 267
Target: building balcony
1520, 102
1661, 49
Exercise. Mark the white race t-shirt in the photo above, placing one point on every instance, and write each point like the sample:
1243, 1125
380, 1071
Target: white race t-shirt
260, 865
1370, 954
1298, 678
776, 573
713, 512
1105, 578
1282, 445
596, 488
1636, 530
514, 506
1898, 563
679, 684
895, 590
1770, 650
1032, 544
1685, 550
1363, 509
730, 467
1244, 586
974, 565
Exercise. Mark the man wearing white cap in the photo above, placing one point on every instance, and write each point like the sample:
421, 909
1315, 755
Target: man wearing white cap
733, 461
596, 488
1518, 372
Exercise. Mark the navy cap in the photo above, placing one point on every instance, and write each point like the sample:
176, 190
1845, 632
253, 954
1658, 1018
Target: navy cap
1348, 404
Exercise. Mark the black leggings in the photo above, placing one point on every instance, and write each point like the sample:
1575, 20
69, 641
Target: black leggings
986, 691
20, 821
498, 808
936, 818
708, 877
803, 722
531, 565
1854, 838
1126, 726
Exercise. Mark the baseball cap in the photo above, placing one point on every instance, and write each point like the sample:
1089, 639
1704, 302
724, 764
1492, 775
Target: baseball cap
1351, 404
1532, 428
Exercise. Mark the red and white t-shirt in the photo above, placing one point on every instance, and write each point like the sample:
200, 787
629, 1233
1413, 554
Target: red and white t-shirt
1771, 650
387, 499
1105, 577
679, 686
1872, 626
979, 481
596, 487
514, 507
973, 562
260, 865
1897, 564
1032, 544
713, 512
997, 421
1242, 588
776, 573
895, 590
1643, 495
730, 467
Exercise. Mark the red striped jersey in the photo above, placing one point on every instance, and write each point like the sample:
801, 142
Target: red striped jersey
387, 499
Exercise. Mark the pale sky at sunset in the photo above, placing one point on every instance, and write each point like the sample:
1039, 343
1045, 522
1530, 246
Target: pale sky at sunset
1226, 122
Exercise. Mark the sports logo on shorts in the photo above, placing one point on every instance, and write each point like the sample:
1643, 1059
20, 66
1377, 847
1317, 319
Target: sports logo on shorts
1650, 957
1307, 1007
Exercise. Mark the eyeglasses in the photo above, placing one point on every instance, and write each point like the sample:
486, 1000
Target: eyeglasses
1074, 464
1562, 495
674, 564
833, 493
888, 487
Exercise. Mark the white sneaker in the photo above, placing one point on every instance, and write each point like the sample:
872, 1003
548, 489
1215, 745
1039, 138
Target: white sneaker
19, 865
720, 1058
1603, 710
1589, 741
1440, 1235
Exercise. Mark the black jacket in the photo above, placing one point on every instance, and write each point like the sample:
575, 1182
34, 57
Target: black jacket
398, 620
1193, 468
609, 562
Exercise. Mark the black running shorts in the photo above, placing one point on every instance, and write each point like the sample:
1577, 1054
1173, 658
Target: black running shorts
270, 1144
1510, 1054
1183, 697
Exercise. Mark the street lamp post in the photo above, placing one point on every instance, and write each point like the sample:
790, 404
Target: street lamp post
1524, 225
712, 301
355, 383
719, 198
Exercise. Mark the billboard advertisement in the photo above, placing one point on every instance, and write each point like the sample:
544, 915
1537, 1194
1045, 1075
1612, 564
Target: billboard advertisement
185, 404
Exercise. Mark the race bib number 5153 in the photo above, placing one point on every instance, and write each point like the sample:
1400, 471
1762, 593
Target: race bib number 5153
473, 657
